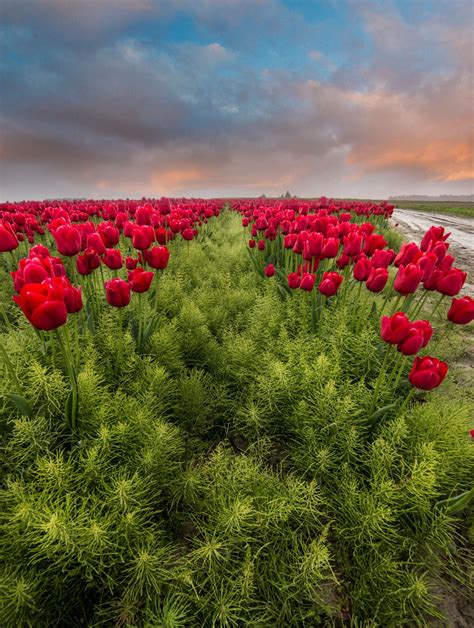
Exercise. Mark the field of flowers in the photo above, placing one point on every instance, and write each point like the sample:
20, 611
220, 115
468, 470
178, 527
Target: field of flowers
228, 413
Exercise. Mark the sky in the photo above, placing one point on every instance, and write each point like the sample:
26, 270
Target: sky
211, 98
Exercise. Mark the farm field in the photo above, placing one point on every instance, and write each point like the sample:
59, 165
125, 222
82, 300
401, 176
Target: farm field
439, 207
226, 413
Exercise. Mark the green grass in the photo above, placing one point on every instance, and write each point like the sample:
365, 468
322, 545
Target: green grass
458, 209
226, 476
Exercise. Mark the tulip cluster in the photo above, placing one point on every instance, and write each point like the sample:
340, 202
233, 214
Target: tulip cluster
100, 248
326, 244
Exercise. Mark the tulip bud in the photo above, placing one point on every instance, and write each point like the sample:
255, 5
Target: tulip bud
451, 282
140, 280
408, 279
461, 311
269, 270
294, 280
307, 282
377, 279
427, 373
117, 292
157, 257
112, 258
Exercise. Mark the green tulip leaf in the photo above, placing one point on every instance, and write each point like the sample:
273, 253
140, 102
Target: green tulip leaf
22, 404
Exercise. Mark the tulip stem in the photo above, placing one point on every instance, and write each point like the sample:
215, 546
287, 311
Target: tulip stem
408, 398
157, 280
65, 348
11, 370
435, 309
140, 323
379, 381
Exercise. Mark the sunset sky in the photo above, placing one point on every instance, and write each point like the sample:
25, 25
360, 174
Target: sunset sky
130, 98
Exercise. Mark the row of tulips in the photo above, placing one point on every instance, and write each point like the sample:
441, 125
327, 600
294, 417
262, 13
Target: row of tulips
99, 249
331, 249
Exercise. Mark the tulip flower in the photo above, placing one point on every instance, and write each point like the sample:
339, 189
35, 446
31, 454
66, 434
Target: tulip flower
157, 257
68, 240
307, 282
188, 234
377, 279
394, 329
142, 237
269, 270
42, 305
433, 235
451, 282
131, 263
95, 242
461, 311
419, 334
362, 269
382, 258
71, 295
330, 248
252, 244
289, 240
294, 280
87, 262
140, 280
409, 253
117, 292
353, 244
427, 373
261, 245
330, 284
8, 239
408, 279
112, 258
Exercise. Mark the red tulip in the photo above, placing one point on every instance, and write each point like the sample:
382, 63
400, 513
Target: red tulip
109, 234
140, 280
87, 262
330, 284
427, 262
427, 373
294, 280
418, 336
68, 240
42, 306
131, 263
71, 295
289, 240
142, 237
269, 270
330, 248
117, 292
252, 244
409, 253
377, 279
450, 283
362, 269
382, 258
112, 258
394, 329
8, 239
307, 282
408, 279
261, 245
95, 242
374, 242
461, 311
188, 234
353, 244
433, 235
157, 257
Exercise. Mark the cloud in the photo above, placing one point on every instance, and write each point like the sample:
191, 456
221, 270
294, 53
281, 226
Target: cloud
129, 115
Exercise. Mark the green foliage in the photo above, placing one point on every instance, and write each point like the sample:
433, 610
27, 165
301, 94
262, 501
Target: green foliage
226, 474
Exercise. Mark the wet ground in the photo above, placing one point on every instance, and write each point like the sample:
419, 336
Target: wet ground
414, 224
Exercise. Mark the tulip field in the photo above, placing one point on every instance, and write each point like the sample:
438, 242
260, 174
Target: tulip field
245, 412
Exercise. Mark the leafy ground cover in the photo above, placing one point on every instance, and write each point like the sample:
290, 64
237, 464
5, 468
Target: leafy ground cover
227, 467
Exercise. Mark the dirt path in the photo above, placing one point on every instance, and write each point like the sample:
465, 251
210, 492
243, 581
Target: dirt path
414, 224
